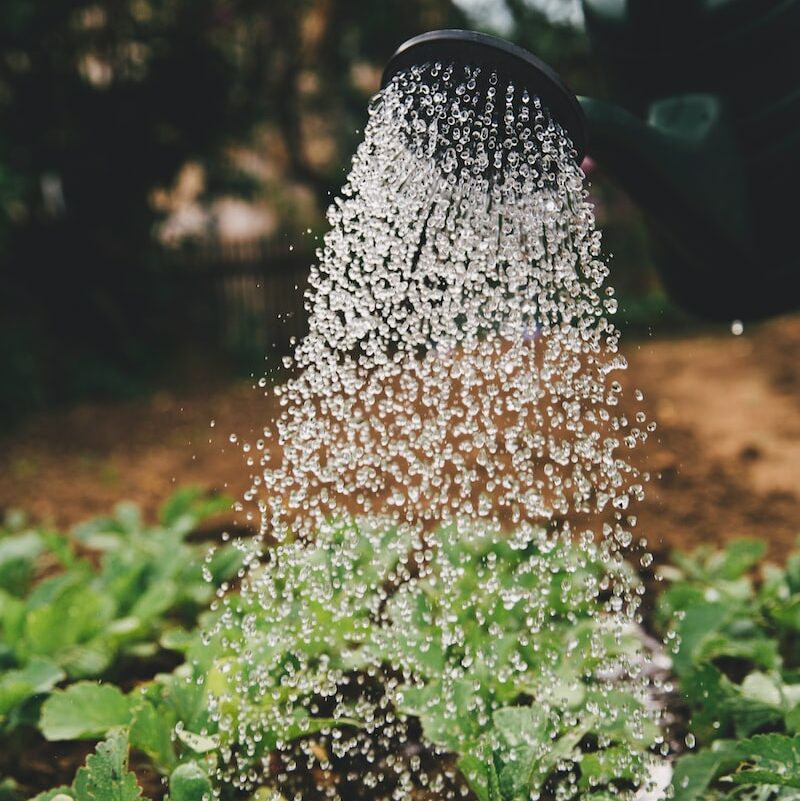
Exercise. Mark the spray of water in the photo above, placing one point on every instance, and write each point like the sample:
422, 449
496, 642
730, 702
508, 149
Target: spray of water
447, 488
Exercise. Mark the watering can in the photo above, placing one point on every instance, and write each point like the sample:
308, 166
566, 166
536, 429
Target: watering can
704, 135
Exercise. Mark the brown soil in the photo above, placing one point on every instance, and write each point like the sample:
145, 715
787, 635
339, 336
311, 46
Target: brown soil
725, 458
726, 455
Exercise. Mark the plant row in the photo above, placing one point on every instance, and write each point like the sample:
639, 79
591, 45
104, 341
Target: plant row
130, 648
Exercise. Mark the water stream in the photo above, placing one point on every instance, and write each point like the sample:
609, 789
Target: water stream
446, 498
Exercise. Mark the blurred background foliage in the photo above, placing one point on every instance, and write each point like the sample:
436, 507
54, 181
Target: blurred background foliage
137, 135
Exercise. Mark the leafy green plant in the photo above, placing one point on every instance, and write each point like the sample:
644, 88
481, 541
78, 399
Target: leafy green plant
518, 747
736, 623
105, 776
161, 719
76, 608
512, 729
515, 716
322, 618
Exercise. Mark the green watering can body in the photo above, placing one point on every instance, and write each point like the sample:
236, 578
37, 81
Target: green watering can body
704, 133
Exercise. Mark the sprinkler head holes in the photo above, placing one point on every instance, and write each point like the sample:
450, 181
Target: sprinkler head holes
493, 55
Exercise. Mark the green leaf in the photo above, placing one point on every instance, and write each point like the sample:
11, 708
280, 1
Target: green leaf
17, 556
695, 772
700, 622
720, 566
750, 716
100, 535
62, 793
793, 570
86, 661
225, 562
74, 615
793, 720
769, 759
106, 776
199, 743
530, 751
84, 710
156, 600
738, 558
152, 732
677, 598
12, 623
786, 614
420, 642
188, 782
127, 514
760, 687
621, 717
61, 549
38, 676
189, 506
177, 639
446, 727
514, 778
179, 699
478, 768
761, 651
522, 726
180, 503
608, 764
719, 706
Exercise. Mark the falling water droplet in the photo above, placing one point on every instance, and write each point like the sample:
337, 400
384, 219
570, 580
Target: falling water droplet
453, 406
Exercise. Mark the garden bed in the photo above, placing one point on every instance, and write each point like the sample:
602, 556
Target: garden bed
96, 627
725, 459
727, 447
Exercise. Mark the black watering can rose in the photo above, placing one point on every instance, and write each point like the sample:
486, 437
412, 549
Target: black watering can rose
702, 133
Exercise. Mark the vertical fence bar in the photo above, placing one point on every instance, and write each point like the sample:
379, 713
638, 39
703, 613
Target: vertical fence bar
253, 293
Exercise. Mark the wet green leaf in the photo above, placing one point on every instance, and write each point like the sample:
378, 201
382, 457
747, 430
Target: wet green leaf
152, 733
189, 782
85, 710
772, 759
694, 773
106, 776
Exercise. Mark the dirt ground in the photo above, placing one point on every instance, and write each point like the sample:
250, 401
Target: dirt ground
725, 458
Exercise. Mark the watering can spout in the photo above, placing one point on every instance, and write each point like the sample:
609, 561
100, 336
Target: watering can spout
682, 166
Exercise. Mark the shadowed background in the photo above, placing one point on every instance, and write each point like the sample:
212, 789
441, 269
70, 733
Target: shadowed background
165, 166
